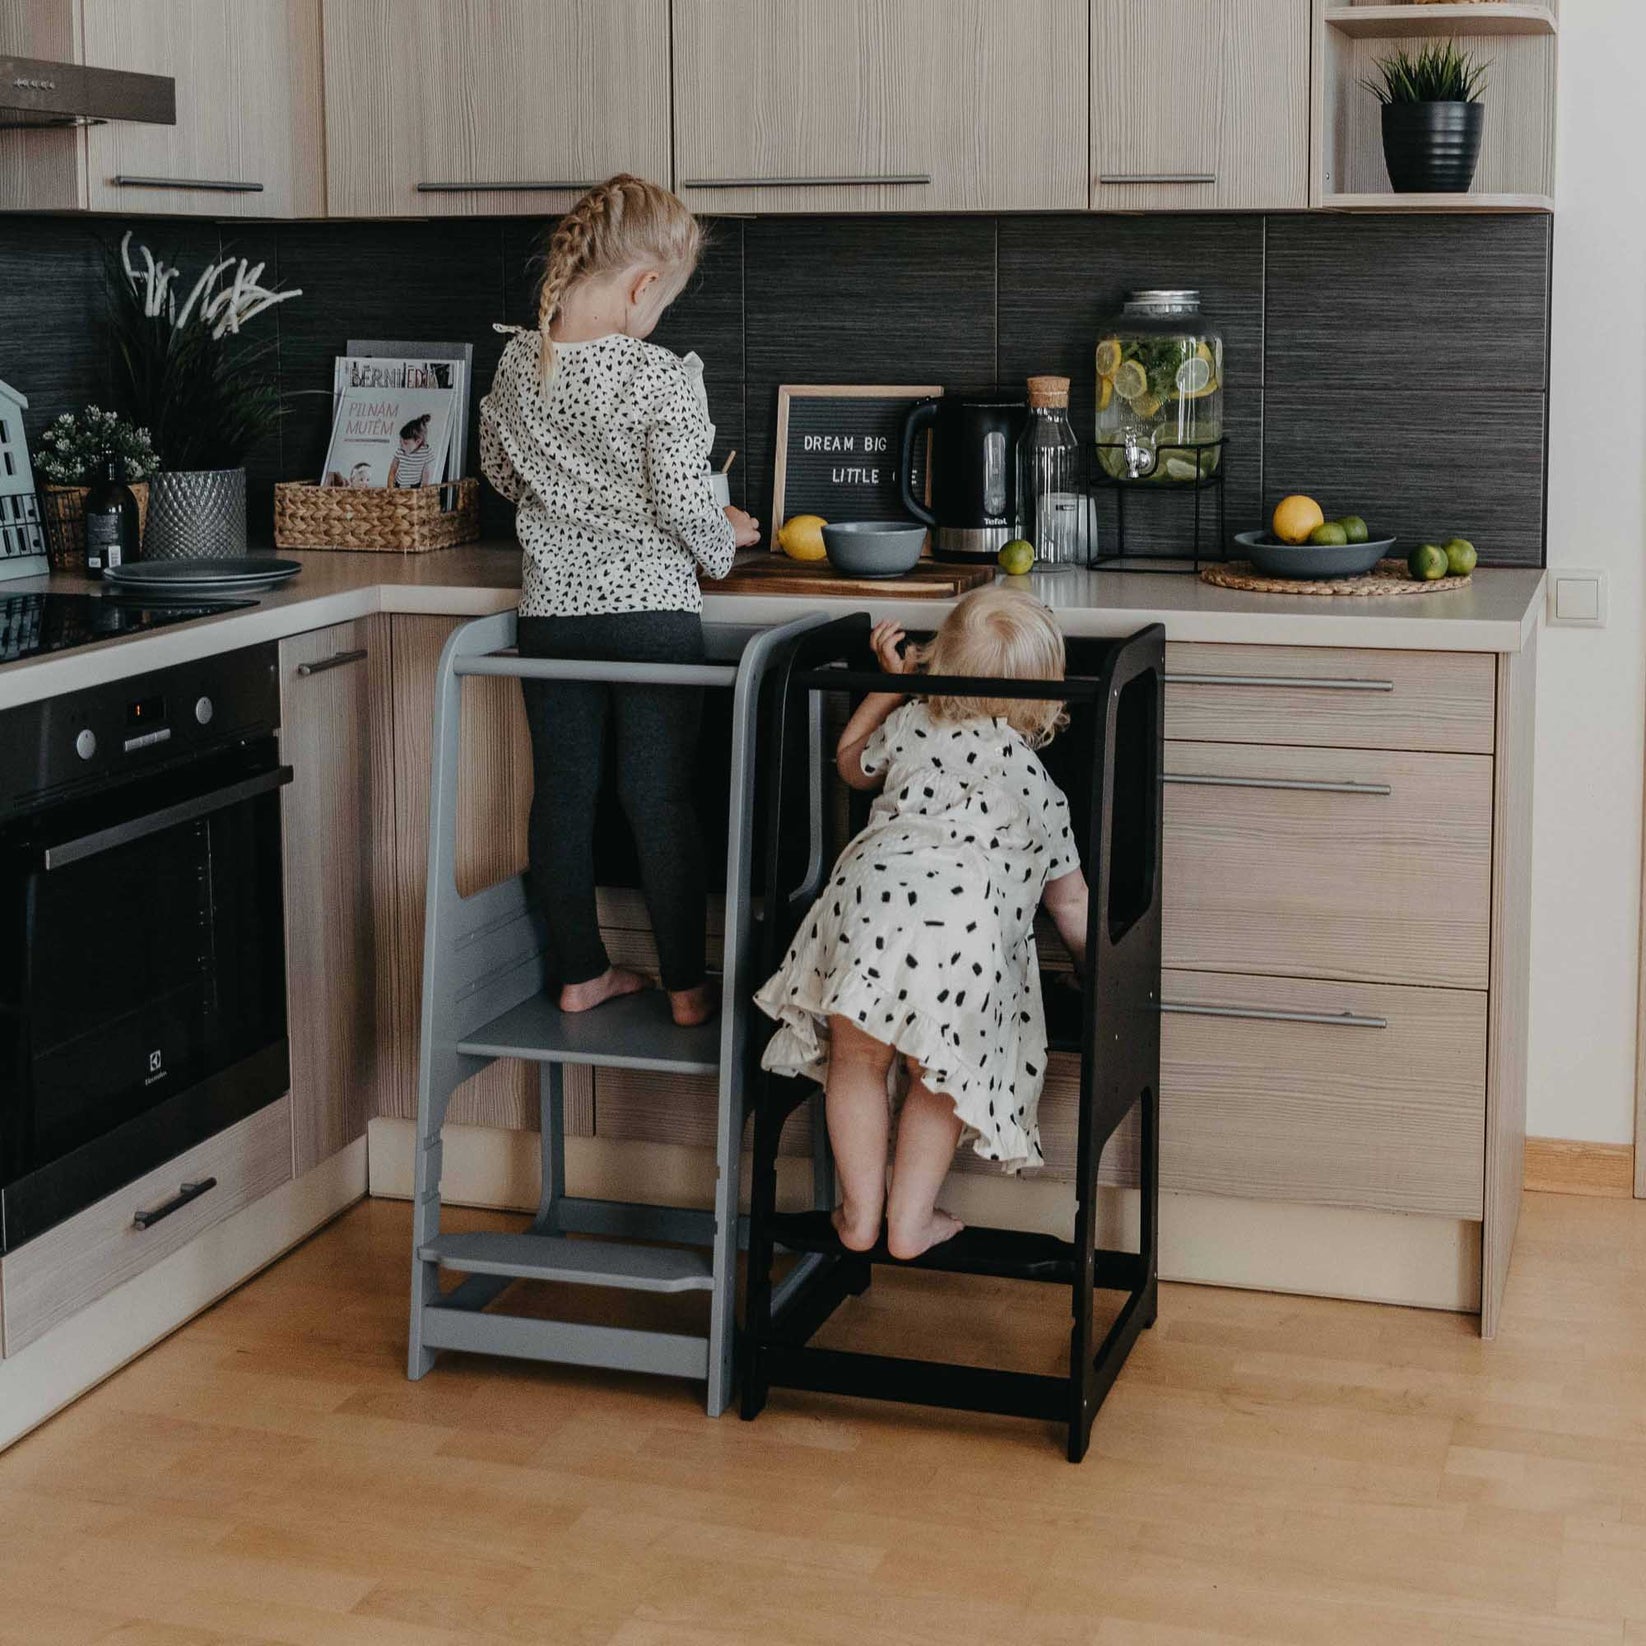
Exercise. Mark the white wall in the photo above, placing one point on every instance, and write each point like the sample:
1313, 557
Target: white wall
1587, 856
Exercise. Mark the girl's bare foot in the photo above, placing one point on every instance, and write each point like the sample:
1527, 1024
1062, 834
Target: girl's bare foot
614, 981
690, 1007
906, 1240
858, 1229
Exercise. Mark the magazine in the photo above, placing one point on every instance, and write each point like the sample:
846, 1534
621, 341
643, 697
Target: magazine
430, 359
390, 437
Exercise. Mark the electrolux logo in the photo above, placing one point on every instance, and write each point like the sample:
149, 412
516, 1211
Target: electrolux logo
157, 1066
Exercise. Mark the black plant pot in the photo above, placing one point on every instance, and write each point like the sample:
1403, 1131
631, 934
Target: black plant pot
1432, 148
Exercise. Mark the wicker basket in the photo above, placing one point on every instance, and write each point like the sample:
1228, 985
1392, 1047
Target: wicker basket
405, 520
63, 512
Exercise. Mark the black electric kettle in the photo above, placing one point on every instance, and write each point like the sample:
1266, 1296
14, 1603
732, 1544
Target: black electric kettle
973, 487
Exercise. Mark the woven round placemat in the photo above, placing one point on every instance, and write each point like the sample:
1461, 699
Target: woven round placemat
1386, 577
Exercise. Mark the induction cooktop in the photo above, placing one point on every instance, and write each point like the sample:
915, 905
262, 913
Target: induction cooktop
31, 625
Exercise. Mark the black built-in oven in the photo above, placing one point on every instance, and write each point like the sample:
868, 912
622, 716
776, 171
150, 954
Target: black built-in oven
142, 954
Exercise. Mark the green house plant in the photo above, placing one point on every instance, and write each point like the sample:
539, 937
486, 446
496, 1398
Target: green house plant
1432, 117
181, 369
75, 449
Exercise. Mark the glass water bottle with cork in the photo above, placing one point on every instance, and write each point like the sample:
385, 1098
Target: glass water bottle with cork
1056, 509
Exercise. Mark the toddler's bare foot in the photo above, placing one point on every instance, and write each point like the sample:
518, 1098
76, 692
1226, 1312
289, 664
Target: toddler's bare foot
614, 981
693, 1006
906, 1240
858, 1229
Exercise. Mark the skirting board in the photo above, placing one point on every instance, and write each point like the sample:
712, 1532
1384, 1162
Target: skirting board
100, 1339
1560, 1165
1319, 1251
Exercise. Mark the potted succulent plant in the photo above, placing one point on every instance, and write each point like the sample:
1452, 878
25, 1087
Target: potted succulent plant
1432, 117
208, 399
75, 449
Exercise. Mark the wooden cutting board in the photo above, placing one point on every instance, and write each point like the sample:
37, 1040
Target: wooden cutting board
766, 573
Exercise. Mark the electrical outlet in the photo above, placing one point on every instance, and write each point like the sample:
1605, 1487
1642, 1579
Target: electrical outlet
1577, 599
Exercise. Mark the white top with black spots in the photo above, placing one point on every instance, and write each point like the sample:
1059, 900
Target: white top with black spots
610, 470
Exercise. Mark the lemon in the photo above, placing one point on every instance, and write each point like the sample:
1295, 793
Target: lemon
1147, 405
1329, 535
801, 537
1105, 392
1130, 379
1428, 563
1195, 378
1295, 517
1461, 556
1354, 528
1017, 557
1108, 357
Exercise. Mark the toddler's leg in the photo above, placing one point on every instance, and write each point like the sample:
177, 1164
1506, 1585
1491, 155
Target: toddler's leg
927, 1131
859, 1126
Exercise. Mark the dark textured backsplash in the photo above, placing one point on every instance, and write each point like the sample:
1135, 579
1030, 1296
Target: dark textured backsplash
1392, 365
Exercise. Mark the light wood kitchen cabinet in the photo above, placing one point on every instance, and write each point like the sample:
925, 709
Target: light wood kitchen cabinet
1199, 104
249, 136
880, 105
326, 737
482, 107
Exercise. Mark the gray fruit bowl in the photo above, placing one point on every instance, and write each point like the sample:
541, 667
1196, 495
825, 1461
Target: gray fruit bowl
873, 548
1302, 560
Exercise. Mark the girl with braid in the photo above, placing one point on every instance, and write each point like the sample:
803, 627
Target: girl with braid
602, 441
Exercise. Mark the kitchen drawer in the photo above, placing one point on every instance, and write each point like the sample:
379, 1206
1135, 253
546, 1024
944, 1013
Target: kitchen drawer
64, 1269
1334, 1093
1445, 701
1347, 863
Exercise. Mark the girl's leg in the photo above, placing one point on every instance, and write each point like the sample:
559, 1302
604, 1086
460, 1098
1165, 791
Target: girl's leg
859, 1125
927, 1132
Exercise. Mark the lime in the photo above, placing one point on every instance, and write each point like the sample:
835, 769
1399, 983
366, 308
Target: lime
1461, 556
1181, 468
1427, 563
1017, 557
1330, 534
1194, 377
1354, 528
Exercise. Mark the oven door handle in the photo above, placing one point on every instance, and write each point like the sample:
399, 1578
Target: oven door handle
83, 846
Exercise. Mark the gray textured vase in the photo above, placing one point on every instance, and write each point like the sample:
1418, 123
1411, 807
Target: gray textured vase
197, 514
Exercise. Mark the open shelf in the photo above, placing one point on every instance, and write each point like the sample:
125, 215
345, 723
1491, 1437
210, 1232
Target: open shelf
1412, 21
1390, 201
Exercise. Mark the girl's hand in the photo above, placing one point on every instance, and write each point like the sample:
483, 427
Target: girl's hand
745, 528
884, 639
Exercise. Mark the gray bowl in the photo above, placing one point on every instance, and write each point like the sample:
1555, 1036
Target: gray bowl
873, 548
1276, 559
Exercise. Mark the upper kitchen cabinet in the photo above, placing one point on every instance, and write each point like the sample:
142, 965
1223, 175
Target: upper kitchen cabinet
249, 137
880, 105
1200, 105
480, 107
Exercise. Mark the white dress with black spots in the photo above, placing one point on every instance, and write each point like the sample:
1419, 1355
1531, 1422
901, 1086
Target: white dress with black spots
925, 933
610, 469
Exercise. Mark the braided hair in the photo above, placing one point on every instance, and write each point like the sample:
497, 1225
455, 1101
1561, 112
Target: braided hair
619, 223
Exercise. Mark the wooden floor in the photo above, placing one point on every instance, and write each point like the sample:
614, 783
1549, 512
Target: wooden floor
1267, 1470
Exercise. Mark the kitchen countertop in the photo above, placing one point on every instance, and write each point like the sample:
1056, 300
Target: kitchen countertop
1495, 613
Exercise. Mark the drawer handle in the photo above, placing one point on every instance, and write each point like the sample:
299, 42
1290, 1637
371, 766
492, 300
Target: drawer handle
208, 185
1198, 177
524, 186
1303, 785
898, 178
186, 1192
1287, 682
336, 661
1336, 1020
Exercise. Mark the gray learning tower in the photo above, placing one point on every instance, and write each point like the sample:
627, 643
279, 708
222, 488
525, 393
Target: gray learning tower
483, 998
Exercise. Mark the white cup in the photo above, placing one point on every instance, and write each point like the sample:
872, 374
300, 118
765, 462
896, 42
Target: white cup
721, 486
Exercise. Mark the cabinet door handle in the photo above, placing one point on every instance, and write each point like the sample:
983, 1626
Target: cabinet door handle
1286, 682
210, 185
899, 178
525, 186
1335, 1020
1196, 177
336, 661
1305, 785
186, 1192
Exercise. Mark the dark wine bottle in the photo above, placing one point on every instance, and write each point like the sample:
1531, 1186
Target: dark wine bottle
111, 522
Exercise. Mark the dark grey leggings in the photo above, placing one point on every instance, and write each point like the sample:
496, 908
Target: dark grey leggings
656, 729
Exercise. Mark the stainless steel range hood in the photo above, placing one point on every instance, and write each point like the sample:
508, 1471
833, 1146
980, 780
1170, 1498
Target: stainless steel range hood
34, 92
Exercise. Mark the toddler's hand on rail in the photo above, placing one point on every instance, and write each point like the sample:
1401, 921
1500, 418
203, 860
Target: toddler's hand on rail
885, 639
745, 528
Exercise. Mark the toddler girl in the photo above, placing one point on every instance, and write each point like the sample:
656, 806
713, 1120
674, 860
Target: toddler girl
602, 439
921, 948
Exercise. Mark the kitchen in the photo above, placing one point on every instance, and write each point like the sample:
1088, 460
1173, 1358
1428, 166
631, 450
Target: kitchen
1432, 370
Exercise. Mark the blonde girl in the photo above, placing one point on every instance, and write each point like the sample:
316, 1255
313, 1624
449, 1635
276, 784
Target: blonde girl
602, 441
920, 952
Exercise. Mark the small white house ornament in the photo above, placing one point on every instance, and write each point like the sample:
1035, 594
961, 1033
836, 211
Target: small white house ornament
22, 541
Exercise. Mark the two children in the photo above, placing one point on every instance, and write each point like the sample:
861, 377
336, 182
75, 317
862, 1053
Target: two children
919, 957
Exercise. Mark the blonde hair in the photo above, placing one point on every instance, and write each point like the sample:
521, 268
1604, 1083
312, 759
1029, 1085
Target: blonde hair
1002, 632
616, 225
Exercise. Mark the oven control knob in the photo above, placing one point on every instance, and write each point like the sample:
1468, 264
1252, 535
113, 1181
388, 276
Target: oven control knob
85, 745
203, 710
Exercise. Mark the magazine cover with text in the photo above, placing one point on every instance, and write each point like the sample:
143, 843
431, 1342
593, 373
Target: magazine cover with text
386, 437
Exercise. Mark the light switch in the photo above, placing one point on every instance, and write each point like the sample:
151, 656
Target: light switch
1578, 599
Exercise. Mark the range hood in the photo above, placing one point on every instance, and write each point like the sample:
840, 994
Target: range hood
34, 92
